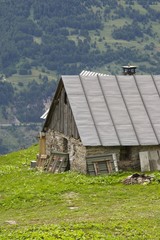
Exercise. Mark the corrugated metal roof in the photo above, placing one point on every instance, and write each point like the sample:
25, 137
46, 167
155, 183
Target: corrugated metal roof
45, 114
89, 73
83, 73
115, 110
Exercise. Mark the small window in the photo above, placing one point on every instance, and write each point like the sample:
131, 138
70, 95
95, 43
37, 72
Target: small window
125, 153
65, 145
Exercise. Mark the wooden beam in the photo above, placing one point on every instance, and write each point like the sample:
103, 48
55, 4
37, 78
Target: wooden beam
42, 144
109, 166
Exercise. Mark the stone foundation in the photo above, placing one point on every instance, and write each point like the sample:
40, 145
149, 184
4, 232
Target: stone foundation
127, 157
77, 152
100, 150
129, 162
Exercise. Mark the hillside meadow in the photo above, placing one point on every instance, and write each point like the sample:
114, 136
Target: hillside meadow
39, 205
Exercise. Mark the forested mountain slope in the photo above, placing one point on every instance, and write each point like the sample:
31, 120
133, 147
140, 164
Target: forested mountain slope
69, 35
41, 40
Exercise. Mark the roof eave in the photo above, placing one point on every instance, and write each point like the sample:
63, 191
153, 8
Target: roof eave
49, 115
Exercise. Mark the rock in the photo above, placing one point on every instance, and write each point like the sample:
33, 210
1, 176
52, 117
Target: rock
11, 222
73, 208
138, 179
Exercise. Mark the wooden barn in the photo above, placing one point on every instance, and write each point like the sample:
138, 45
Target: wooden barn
98, 124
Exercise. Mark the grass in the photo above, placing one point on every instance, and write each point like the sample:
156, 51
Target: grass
15, 79
73, 206
19, 137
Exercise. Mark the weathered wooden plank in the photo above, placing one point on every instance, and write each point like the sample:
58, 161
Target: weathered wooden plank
58, 115
102, 164
108, 156
109, 166
61, 112
144, 161
96, 169
61, 164
72, 126
154, 160
69, 121
59, 153
41, 160
54, 122
75, 132
42, 143
100, 167
91, 170
65, 119
91, 161
54, 165
114, 156
48, 164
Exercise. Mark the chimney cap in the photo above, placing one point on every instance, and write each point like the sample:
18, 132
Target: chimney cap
129, 66
129, 70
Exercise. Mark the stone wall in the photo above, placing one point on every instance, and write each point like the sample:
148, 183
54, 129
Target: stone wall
135, 161
77, 152
130, 163
137, 149
100, 150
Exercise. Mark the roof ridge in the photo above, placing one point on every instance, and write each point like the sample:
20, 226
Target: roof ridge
90, 73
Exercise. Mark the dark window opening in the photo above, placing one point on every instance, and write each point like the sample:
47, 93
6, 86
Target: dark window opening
125, 153
65, 145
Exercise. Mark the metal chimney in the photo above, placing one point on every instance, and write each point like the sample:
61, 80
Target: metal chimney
129, 70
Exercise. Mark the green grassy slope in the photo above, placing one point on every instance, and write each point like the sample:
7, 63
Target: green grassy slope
73, 206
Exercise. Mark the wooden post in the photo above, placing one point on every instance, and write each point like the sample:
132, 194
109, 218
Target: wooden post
115, 161
42, 143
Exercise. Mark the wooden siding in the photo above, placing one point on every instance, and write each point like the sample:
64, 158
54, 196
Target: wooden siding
58, 162
62, 119
100, 164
